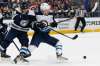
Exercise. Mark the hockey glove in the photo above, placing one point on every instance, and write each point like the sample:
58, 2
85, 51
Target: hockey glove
53, 24
42, 24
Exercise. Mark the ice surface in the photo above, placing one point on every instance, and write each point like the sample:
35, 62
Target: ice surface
87, 44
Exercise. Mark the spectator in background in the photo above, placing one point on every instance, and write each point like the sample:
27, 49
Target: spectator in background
60, 5
5, 0
1, 0
55, 11
6, 12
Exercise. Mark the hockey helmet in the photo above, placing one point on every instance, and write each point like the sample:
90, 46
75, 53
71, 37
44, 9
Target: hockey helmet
45, 6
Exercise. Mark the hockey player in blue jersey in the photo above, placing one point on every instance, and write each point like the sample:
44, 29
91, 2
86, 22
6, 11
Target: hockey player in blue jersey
3, 32
42, 30
19, 28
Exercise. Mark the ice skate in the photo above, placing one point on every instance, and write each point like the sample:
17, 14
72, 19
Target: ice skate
4, 55
20, 58
61, 58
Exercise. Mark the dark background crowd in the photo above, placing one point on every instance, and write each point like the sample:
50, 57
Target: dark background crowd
62, 8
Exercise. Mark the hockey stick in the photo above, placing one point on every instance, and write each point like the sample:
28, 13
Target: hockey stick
65, 20
16, 46
48, 27
73, 38
19, 56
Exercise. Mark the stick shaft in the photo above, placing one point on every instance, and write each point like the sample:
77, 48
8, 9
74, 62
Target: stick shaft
65, 20
16, 46
61, 33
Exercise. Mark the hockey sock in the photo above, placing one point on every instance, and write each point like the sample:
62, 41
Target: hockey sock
59, 49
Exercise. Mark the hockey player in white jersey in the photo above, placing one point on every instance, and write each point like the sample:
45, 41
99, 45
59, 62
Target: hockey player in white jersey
42, 32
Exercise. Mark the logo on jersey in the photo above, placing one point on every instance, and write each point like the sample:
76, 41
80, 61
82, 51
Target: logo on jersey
24, 23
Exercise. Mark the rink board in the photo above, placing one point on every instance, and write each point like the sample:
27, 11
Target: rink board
92, 25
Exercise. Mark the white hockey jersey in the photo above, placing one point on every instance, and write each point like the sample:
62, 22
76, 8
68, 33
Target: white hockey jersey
48, 18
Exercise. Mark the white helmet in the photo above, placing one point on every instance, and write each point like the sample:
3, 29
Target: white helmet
45, 6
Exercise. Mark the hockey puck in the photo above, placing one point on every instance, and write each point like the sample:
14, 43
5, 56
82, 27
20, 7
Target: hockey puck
84, 57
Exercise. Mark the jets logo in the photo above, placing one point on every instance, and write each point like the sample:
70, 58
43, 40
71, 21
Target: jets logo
24, 23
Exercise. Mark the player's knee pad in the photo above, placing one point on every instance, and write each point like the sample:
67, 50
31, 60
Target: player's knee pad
25, 52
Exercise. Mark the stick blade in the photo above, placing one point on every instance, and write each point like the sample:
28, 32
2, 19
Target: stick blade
75, 37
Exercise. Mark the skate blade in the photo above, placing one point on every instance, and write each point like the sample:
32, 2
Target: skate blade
20, 59
5, 60
62, 60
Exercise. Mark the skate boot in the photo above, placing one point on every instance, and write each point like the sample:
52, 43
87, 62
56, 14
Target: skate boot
60, 58
20, 59
24, 53
4, 55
